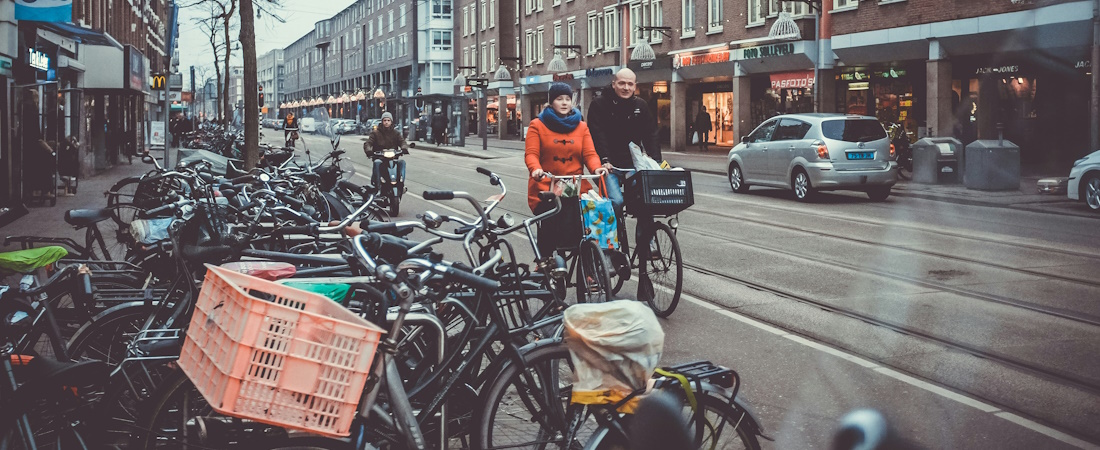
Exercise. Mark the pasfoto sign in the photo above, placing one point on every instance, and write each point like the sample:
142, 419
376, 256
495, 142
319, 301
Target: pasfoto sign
793, 80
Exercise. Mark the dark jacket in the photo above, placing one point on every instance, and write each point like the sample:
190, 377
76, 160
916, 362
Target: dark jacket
439, 123
702, 122
615, 122
383, 138
290, 124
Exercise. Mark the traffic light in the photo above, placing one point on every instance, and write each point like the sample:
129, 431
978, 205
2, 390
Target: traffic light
261, 97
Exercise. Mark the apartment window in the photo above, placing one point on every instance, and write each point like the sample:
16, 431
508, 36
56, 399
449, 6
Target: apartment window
529, 39
380, 28
492, 13
611, 27
441, 71
441, 9
637, 19
538, 5
756, 12
794, 8
556, 2
465, 56
539, 45
687, 24
441, 40
715, 16
391, 21
465, 21
515, 12
557, 32
656, 19
530, 6
402, 14
492, 55
484, 20
594, 35
571, 35
484, 57
844, 4
370, 55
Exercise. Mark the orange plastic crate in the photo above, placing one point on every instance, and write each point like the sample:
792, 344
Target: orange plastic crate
278, 355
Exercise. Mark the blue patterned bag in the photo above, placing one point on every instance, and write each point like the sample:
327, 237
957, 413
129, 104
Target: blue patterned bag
598, 217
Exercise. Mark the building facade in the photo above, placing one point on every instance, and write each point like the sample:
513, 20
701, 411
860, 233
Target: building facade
270, 74
90, 78
360, 62
938, 67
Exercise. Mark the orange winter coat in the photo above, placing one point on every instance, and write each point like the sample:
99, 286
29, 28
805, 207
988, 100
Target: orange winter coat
556, 153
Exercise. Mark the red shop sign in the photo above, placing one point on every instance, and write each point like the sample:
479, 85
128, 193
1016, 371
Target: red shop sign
705, 58
793, 80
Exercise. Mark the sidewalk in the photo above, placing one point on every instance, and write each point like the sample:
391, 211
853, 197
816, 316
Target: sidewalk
48, 221
714, 162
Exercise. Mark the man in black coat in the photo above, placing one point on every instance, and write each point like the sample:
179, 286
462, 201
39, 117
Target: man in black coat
439, 127
616, 119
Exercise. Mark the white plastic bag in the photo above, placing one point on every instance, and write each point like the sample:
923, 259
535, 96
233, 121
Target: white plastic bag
695, 138
642, 161
614, 346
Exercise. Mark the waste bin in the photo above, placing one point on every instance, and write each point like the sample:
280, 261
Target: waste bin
992, 165
936, 160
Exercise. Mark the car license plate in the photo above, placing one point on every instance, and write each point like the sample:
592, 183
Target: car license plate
861, 155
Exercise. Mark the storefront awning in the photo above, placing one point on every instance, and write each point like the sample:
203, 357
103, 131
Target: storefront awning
1048, 27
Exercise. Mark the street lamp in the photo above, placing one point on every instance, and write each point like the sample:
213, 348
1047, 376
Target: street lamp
557, 64
502, 73
643, 51
460, 79
381, 97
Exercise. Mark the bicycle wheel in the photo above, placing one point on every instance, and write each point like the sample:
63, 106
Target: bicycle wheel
115, 245
531, 408
722, 427
664, 268
120, 200
593, 281
178, 417
621, 268
107, 337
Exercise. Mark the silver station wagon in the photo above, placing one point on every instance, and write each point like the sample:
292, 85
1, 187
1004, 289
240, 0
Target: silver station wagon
815, 152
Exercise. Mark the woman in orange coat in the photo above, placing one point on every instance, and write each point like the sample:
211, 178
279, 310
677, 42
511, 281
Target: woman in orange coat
558, 143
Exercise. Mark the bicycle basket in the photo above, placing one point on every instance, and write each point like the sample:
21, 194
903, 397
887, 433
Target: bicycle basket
659, 192
277, 355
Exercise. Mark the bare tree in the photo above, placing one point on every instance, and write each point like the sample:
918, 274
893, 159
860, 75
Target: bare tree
251, 110
220, 15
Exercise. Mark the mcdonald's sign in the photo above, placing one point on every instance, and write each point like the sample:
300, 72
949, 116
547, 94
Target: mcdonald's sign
158, 81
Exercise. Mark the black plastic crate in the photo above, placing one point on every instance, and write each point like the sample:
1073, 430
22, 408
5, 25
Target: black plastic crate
659, 192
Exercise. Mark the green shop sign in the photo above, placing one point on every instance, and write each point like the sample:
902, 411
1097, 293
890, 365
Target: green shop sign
767, 51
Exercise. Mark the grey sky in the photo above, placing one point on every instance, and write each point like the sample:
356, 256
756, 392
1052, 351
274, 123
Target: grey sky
300, 15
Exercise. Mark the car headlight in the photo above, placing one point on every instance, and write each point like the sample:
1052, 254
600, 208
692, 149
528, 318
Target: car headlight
1079, 161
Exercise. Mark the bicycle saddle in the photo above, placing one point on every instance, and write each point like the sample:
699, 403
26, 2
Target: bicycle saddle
81, 218
26, 261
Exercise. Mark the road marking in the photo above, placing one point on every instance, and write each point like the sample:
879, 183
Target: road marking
1046, 430
907, 379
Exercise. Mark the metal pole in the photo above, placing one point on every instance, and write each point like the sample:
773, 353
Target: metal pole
483, 113
414, 79
167, 112
1094, 128
817, 62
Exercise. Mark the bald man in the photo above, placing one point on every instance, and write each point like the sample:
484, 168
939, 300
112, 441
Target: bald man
616, 119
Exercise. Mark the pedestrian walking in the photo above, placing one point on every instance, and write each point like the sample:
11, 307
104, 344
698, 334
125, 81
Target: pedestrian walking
558, 143
439, 127
702, 128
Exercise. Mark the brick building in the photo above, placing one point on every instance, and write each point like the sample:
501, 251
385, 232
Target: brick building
366, 50
91, 79
1022, 65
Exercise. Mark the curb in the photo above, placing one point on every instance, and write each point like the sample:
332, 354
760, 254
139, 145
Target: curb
456, 152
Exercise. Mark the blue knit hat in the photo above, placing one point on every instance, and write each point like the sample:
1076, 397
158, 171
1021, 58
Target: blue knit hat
559, 89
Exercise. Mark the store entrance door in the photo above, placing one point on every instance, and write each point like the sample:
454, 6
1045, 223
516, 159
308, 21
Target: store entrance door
720, 107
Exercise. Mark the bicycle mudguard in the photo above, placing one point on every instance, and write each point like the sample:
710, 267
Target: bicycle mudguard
751, 416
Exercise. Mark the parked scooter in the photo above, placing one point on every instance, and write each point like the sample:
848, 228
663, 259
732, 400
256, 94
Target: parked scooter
391, 180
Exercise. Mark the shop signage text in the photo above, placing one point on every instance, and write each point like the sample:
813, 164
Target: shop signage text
563, 77
5, 66
792, 80
705, 58
997, 69
854, 76
768, 51
590, 73
1083, 64
37, 59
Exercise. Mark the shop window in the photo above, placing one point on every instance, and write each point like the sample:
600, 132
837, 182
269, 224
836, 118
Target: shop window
687, 21
720, 106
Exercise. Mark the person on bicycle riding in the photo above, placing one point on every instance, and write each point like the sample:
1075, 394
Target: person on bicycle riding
385, 137
290, 125
558, 143
618, 118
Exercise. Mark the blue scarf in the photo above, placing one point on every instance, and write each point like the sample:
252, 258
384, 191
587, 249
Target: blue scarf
559, 124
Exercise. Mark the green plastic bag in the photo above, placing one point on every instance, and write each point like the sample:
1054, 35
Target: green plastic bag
27, 261
337, 292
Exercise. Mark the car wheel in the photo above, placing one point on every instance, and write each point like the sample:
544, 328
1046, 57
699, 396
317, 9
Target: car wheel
737, 179
879, 194
803, 189
1090, 190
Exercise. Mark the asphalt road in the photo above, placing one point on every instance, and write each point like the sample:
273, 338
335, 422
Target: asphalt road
968, 326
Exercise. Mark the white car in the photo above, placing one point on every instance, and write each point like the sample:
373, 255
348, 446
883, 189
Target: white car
1084, 181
